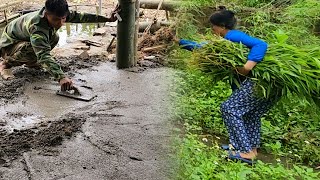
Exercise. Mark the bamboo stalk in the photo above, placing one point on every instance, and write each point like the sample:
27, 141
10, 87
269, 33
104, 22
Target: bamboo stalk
154, 48
153, 4
137, 26
154, 27
9, 18
125, 34
5, 16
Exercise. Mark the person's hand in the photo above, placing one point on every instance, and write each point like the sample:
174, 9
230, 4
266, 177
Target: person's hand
176, 39
243, 71
66, 84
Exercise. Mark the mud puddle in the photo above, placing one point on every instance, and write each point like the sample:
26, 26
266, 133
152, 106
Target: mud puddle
71, 31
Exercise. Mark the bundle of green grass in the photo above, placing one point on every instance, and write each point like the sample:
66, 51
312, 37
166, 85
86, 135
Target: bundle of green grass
285, 70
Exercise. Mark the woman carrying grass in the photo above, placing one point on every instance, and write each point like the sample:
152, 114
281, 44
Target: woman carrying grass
242, 111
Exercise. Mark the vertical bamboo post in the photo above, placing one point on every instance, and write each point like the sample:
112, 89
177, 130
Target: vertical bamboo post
77, 23
100, 7
125, 34
5, 15
98, 13
167, 15
136, 37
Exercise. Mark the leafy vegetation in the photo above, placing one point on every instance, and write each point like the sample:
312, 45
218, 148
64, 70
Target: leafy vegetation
290, 130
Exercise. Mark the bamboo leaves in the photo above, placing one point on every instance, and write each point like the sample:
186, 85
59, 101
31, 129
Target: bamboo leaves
285, 69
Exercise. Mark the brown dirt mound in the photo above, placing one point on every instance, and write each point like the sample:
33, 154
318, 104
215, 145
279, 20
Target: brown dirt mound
45, 134
163, 36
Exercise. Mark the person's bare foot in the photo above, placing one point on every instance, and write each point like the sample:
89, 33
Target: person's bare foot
249, 155
255, 151
6, 74
2, 66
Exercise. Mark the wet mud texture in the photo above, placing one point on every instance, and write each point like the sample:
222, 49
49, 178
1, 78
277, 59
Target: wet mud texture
10, 90
48, 133
42, 135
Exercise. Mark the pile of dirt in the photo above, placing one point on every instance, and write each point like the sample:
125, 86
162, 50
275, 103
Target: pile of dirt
11, 89
164, 36
44, 134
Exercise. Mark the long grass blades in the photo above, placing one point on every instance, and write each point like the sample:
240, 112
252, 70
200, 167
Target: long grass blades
286, 69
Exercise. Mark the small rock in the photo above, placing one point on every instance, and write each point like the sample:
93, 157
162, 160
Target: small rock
82, 47
146, 63
100, 32
37, 88
84, 55
149, 58
135, 69
112, 57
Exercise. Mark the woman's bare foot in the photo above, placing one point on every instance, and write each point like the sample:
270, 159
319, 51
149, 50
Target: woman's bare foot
255, 151
249, 155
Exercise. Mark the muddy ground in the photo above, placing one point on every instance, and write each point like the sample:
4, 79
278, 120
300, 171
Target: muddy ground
123, 133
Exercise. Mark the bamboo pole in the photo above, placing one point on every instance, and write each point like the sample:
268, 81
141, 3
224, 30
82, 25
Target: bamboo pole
169, 5
10, 18
5, 16
125, 34
154, 27
136, 37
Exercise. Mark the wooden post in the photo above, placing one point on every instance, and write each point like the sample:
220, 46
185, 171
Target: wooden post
136, 37
125, 34
98, 13
77, 23
5, 16
68, 29
100, 7
167, 15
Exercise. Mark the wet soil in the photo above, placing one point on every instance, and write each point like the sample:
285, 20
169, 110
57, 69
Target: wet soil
43, 135
117, 129
121, 134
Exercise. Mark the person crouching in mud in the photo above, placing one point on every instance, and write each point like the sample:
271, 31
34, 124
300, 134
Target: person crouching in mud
29, 39
243, 109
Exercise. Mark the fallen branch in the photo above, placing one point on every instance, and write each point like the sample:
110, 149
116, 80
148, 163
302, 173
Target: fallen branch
167, 5
154, 48
91, 43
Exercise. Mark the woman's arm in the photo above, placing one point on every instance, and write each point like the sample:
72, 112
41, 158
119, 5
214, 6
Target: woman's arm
190, 45
258, 49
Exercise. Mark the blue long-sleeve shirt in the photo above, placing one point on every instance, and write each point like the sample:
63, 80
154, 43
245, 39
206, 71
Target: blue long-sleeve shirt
258, 48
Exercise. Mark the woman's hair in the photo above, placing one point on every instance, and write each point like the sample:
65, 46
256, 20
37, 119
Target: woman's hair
224, 18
